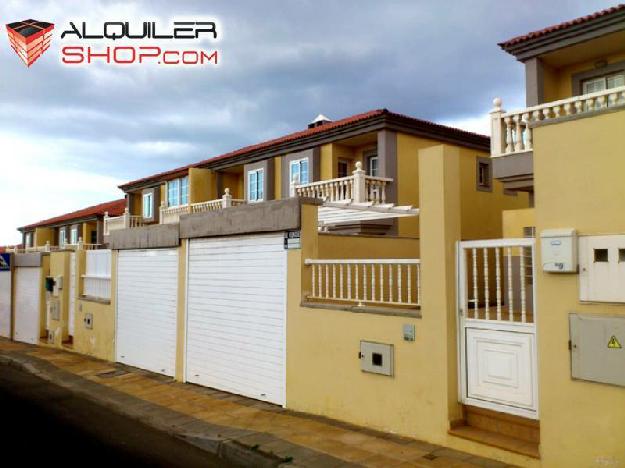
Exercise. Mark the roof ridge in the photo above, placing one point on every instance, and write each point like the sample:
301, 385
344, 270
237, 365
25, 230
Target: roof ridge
114, 205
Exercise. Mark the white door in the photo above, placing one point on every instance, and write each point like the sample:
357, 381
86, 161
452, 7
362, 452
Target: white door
147, 297
497, 333
72, 292
27, 304
236, 315
5, 304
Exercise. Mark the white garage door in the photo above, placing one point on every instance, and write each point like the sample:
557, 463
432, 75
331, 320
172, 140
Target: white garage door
147, 291
27, 304
236, 307
5, 304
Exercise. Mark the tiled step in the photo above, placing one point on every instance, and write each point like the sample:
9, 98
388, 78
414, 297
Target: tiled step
505, 431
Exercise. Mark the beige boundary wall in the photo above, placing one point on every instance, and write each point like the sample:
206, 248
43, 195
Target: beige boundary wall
323, 369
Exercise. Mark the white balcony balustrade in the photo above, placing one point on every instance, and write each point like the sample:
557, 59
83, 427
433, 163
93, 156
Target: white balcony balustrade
361, 282
357, 188
169, 215
125, 221
511, 132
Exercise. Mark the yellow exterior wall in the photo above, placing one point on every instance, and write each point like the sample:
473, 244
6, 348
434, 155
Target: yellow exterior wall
136, 204
328, 163
559, 82
59, 267
339, 246
234, 182
202, 185
181, 321
45, 271
99, 341
43, 235
515, 220
578, 168
323, 370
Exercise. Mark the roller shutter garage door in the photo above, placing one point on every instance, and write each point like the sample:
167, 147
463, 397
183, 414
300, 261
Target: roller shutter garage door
5, 304
27, 304
236, 309
147, 295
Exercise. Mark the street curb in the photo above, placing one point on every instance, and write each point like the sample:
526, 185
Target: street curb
226, 449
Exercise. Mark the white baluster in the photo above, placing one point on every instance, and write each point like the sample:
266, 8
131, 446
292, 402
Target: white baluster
341, 289
498, 280
579, 106
475, 290
568, 108
399, 298
486, 291
314, 271
356, 292
333, 281
381, 282
349, 280
409, 282
390, 283
418, 268
522, 278
509, 138
373, 282
364, 282
510, 297
518, 143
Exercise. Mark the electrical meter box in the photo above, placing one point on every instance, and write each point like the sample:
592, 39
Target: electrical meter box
376, 358
598, 348
559, 250
602, 268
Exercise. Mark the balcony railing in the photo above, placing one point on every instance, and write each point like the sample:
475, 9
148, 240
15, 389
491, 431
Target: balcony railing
381, 282
124, 221
511, 132
55, 248
170, 215
358, 188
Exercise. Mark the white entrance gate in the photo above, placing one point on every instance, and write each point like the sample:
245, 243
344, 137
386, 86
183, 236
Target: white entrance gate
497, 326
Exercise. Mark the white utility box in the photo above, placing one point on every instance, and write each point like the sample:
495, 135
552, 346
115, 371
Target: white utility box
602, 268
559, 250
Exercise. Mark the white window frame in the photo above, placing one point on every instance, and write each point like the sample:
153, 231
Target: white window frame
298, 163
73, 235
147, 205
180, 199
603, 79
62, 237
28, 239
259, 195
370, 160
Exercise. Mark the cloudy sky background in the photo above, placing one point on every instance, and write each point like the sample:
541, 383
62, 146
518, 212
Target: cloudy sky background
70, 135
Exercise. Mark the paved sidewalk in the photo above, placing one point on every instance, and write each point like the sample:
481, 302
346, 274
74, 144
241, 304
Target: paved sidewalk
240, 430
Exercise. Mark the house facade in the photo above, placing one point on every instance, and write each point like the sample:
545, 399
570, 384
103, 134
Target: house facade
382, 270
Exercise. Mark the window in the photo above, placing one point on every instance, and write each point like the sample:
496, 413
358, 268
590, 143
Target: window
28, 240
62, 237
94, 237
255, 184
298, 171
343, 168
73, 235
484, 175
372, 165
148, 205
178, 192
97, 277
602, 83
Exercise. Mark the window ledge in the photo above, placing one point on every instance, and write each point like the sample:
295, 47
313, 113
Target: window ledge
376, 310
97, 300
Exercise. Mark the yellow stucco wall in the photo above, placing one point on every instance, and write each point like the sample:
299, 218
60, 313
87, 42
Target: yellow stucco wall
323, 369
45, 271
202, 185
559, 81
59, 268
181, 322
578, 167
340, 246
234, 182
99, 341
43, 235
515, 220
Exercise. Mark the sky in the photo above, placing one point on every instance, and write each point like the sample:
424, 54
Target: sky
70, 135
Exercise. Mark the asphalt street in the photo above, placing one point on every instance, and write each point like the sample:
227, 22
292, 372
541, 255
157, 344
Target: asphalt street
46, 424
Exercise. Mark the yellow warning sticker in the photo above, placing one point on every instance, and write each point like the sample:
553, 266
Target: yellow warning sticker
614, 343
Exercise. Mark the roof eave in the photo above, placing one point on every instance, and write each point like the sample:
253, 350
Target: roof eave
566, 37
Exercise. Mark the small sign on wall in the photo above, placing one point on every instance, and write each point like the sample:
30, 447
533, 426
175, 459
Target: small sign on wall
5, 262
292, 240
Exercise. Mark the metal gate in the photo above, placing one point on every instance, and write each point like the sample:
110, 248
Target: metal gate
497, 325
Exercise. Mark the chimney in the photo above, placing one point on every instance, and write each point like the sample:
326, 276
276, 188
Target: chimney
319, 121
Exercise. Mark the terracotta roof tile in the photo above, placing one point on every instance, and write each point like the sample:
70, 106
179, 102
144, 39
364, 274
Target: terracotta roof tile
114, 208
561, 26
434, 127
